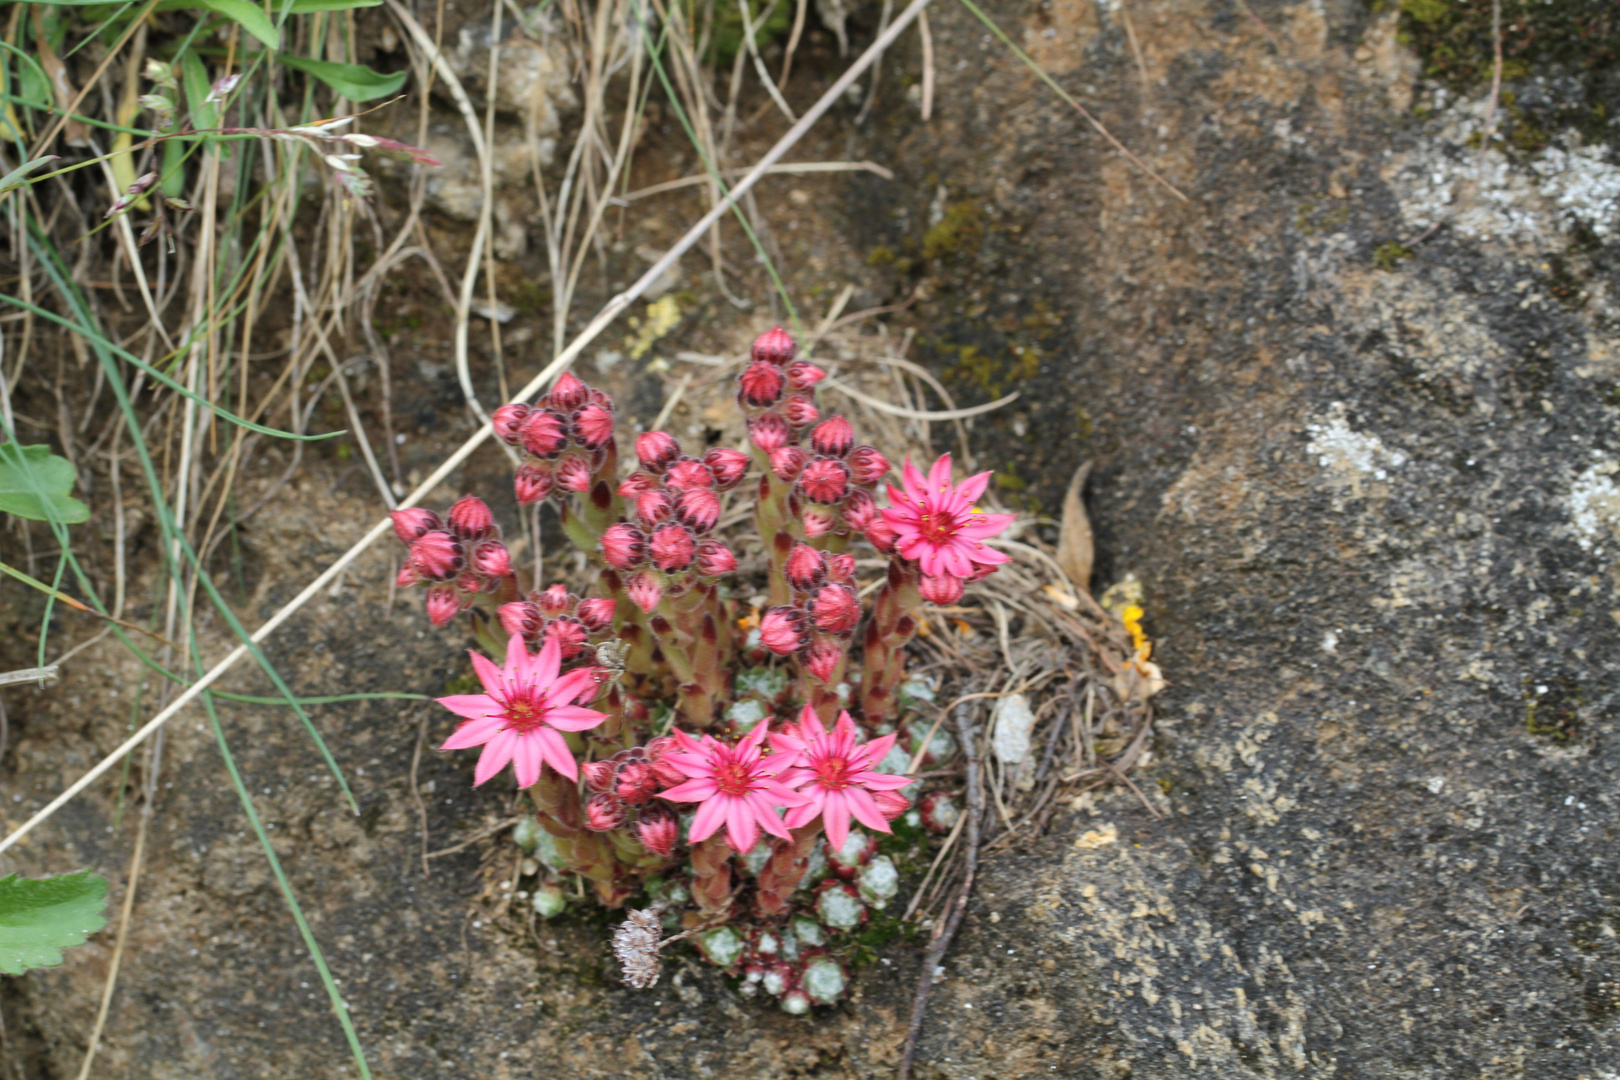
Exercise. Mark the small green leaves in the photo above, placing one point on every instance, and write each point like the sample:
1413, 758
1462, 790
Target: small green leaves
251, 17
354, 81
18, 177
35, 484
40, 918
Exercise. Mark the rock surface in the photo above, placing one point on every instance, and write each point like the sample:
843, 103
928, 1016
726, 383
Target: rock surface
1374, 510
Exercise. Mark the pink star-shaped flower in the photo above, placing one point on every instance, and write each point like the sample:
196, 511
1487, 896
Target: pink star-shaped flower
936, 523
837, 775
520, 716
737, 786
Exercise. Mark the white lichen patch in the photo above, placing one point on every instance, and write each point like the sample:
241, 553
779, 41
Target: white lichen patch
1490, 196
1347, 453
1593, 505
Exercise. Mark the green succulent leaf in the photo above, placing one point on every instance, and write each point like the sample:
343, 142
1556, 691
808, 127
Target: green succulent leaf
354, 81
41, 917
34, 482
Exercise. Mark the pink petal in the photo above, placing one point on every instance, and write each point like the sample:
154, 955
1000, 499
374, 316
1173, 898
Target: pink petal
879, 748
811, 723
691, 764
555, 751
916, 487
571, 686
527, 757
497, 754
573, 718
800, 816
474, 732
865, 810
845, 724
971, 488
517, 661
765, 814
699, 789
489, 675
939, 477
835, 819
752, 740
710, 816
877, 781
471, 706
546, 666
781, 794
787, 744
956, 561
984, 526
741, 829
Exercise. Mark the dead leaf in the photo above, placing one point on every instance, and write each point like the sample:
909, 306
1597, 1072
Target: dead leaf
1075, 552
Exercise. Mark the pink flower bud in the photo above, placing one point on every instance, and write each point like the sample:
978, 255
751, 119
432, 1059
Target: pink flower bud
981, 571
574, 474
836, 610
672, 547
636, 782
804, 568
833, 437
520, 618
940, 588
688, 473
636, 483
544, 433
569, 634
593, 425
841, 568
442, 604
882, 536
470, 518
437, 556
658, 751
803, 375
624, 546
410, 524
800, 411
533, 482
866, 465
554, 600
821, 659
568, 393
698, 508
491, 559
760, 385
598, 775
508, 422
786, 461
769, 432
774, 346
728, 466
645, 590
824, 480
658, 830
859, 509
653, 506
597, 613
603, 813
781, 630
818, 521
891, 804
407, 577
713, 559
657, 450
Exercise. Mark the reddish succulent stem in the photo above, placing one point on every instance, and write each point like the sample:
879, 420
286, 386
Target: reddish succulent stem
585, 852
783, 871
711, 874
887, 631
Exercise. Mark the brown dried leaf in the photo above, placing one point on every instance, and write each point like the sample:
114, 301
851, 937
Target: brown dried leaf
1075, 552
